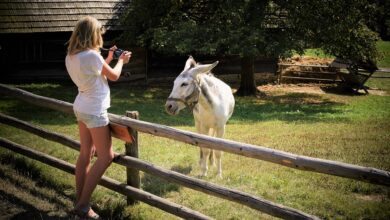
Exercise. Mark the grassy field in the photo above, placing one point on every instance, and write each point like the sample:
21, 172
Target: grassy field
343, 127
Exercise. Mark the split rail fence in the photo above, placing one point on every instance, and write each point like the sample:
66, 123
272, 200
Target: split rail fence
134, 165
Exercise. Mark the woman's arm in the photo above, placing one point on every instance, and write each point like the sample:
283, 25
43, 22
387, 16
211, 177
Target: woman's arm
110, 54
113, 74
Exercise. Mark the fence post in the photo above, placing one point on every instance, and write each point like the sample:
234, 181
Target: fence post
133, 178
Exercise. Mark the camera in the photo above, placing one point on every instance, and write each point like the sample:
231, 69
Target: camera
117, 53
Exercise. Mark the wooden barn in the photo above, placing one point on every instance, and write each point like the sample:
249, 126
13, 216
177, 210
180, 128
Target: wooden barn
33, 34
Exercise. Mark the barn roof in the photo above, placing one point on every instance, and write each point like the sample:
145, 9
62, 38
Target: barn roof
32, 16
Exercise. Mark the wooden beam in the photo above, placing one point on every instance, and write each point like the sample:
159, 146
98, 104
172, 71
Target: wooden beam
109, 183
132, 174
366, 174
52, 136
243, 198
308, 78
37, 99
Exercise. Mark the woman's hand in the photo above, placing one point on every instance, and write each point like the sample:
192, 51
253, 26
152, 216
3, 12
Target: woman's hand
113, 74
111, 52
125, 56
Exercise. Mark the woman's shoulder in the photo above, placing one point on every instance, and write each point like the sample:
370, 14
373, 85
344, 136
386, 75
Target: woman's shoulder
90, 55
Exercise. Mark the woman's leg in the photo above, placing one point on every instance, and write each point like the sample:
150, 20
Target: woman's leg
101, 137
84, 159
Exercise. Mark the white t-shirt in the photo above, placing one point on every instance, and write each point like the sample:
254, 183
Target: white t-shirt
85, 70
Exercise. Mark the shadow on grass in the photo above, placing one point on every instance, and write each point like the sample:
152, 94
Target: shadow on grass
31, 171
23, 210
30, 186
149, 102
343, 89
290, 107
158, 186
161, 187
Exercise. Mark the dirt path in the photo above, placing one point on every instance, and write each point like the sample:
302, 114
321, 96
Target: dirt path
315, 89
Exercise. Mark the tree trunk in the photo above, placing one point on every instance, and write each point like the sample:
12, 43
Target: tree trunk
248, 84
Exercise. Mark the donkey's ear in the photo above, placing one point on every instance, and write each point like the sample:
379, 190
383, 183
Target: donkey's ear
199, 69
190, 63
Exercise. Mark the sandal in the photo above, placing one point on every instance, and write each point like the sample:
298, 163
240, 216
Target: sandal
83, 213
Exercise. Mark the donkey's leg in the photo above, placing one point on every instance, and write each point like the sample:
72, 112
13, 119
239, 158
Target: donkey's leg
220, 131
212, 133
197, 126
205, 153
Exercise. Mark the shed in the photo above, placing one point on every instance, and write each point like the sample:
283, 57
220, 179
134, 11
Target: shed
33, 34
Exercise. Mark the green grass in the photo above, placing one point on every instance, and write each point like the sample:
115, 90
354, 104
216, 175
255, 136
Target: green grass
351, 129
317, 53
348, 128
384, 48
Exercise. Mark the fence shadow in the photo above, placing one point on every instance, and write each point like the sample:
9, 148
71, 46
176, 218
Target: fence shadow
34, 189
161, 187
22, 210
158, 186
29, 183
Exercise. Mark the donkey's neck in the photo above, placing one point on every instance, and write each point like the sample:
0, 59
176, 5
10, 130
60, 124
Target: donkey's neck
207, 94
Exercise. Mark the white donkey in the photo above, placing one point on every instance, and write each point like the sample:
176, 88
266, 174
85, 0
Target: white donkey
210, 100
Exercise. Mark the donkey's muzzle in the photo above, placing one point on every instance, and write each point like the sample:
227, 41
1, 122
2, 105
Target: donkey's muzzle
171, 107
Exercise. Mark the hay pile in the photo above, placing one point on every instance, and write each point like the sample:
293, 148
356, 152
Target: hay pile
307, 60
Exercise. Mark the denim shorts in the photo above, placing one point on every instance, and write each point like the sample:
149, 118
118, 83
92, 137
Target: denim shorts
92, 121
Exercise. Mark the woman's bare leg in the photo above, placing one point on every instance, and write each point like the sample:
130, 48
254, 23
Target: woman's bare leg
102, 140
84, 159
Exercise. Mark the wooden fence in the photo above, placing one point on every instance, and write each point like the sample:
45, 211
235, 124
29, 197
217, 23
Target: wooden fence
366, 174
312, 73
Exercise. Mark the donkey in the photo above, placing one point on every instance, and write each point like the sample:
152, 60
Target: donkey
211, 102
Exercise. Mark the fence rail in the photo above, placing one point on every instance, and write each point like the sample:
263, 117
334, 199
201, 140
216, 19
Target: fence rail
109, 183
190, 182
366, 174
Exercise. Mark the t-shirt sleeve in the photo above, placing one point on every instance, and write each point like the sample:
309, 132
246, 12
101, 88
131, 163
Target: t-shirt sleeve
92, 64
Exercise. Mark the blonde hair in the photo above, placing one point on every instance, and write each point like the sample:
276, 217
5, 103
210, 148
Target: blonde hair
87, 34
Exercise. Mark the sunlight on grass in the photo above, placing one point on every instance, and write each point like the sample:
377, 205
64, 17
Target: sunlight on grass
317, 53
351, 129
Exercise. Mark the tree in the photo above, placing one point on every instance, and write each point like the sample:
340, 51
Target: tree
251, 28
234, 27
379, 18
338, 27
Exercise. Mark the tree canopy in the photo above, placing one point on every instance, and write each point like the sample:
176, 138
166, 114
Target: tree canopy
338, 27
205, 27
250, 28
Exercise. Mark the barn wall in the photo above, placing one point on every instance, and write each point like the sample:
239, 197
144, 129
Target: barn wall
41, 56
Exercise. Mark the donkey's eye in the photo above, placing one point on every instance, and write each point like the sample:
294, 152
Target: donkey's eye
184, 84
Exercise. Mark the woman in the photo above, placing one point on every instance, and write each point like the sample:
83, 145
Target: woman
89, 71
